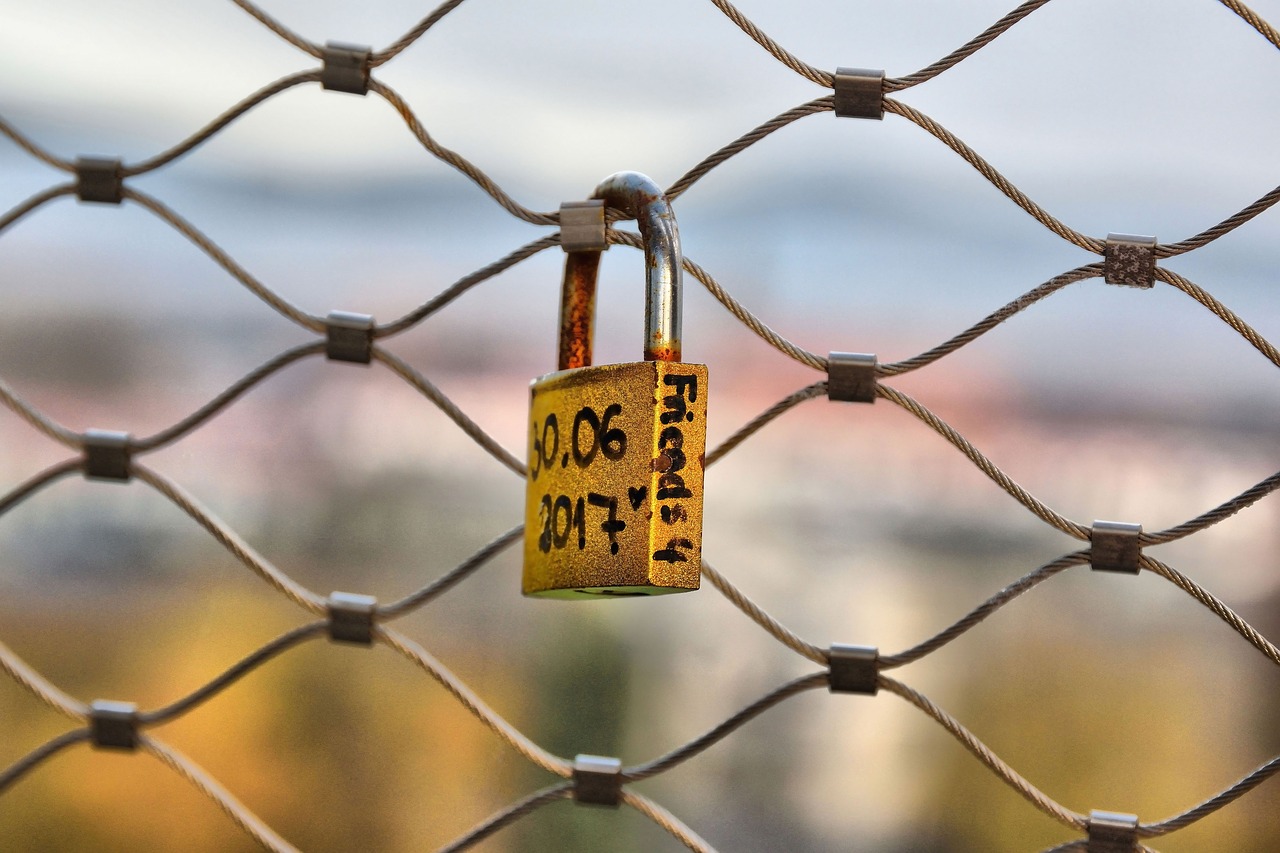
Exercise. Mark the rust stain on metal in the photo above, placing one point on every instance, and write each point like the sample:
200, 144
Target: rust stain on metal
578, 309
662, 353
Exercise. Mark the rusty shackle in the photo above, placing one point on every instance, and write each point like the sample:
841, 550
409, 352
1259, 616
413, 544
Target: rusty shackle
640, 197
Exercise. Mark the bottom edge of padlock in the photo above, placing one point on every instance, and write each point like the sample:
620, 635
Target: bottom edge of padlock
583, 592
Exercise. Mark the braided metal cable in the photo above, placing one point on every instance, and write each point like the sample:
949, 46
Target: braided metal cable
774, 628
464, 284
394, 49
1211, 805
983, 753
1083, 845
212, 128
667, 821
23, 142
32, 681
804, 69
969, 48
425, 661
226, 398
511, 814
1223, 313
249, 663
1214, 604
1226, 226
40, 687
44, 424
985, 465
40, 755
992, 320
629, 238
37, 482
974, 159
817, 389
1266, 30
742, 143
37, 200
229, 539
211, 788
445, 583
1069, 847
719, 732
1245, 499
459, 162
224, 260
982, 611
280, 29
455, 414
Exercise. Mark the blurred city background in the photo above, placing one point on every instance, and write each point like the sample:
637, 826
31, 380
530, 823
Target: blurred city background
851, 524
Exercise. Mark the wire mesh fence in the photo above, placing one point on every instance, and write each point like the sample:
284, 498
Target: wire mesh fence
351, 616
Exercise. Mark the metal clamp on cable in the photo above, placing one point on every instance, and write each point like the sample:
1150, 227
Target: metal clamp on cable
99, 179
107, 455
854, 669
351, 617
1115, 546
346, 68
597, 780
851, 377
1130, 260
113, 725
349, 337
1112, 832
859, 93
582, 226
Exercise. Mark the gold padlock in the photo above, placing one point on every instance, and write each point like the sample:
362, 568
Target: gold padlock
616, 452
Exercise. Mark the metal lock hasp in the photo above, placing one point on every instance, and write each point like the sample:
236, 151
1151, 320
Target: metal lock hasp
616, 452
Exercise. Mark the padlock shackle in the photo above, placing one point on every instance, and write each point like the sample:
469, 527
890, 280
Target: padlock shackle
638, 196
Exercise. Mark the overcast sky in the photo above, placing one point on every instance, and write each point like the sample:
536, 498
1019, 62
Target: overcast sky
1138, 116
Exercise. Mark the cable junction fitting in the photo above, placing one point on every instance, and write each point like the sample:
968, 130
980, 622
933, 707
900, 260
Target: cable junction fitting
1112, 832
113, 725
346, 68
1130, 260
351, 617
859, 93
851, 377
854, 669
597, 780
107, 455
349, 337
582, 226
99, 179
1115, 546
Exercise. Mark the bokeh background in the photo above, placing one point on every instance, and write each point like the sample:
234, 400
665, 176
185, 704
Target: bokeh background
850, 524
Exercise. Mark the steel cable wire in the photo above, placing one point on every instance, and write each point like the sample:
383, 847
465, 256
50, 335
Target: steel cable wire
425, 661
40, 755
37, 200
211, 788
231, 541
27, 145
224, 260
459, 162
983, 753
683, 753
985, 465
35, 683
509, 815
392, 50
667, 821
280, 29
37, 482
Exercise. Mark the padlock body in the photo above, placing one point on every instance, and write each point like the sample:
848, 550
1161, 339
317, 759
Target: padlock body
614, 499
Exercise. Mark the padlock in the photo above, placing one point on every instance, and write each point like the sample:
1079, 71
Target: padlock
616, 452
